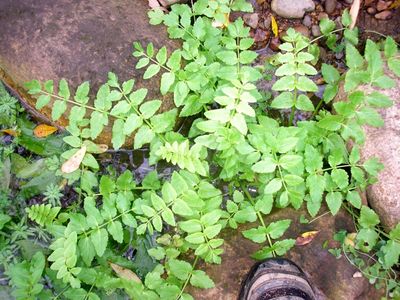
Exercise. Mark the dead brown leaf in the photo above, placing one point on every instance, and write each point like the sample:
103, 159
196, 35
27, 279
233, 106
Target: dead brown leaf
306, 238
154, 4
355, 8
73, 163
44, 130
125, 273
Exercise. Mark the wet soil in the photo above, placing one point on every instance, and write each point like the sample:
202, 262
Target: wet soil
331, 278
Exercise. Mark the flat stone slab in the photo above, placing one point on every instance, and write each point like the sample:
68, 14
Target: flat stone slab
78, 40
331, 278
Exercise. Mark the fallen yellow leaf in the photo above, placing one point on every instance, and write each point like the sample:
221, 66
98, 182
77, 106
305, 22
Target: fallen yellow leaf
349, 239
44, 130
125, 273
73, 163
395, 4
306, 238
11, 132
219, 24
274, 26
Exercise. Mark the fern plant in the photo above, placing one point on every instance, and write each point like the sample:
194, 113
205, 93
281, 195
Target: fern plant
43, 214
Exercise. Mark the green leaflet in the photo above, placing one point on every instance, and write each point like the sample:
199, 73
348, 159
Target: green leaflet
25, 277
42, 214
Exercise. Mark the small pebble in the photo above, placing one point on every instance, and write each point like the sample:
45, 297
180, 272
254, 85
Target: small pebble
382, 5
267, 23
274, 44
322, 15
368, 2
330, 6
260, 36
251, 20
303, 30
322, 54
384, 15
319, 81
371, 10
349, 1
315, 30
339, 55
307, 21
338, 22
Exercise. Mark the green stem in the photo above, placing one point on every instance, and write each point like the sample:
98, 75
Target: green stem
381, 34
280, 173
260, 218
188, 279
156, 62
141, 115
86, 233
321, 36
80, 104
357, 216
62, 292
339, 167
317, 108
294, 105
320, 216
90, 290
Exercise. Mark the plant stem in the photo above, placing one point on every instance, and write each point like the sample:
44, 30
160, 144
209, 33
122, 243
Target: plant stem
80, 104
320, 216
187, 279
321, 36
141, 115
260, 218
293, 107
317, 108
357, 216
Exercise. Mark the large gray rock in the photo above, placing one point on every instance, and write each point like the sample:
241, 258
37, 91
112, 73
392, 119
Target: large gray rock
331, 278
292, 9
79, 40
384, 143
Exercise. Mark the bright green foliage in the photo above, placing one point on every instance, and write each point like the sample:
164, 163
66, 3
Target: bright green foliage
233, 142
185, 157
8, 107
25, 278
329, 31
331, 77
113, 101
64, 258
367, 240
391, 52
43, 214
294, 68
196, 203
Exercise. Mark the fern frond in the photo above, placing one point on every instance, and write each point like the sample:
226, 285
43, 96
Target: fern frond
185, 157
42, 214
